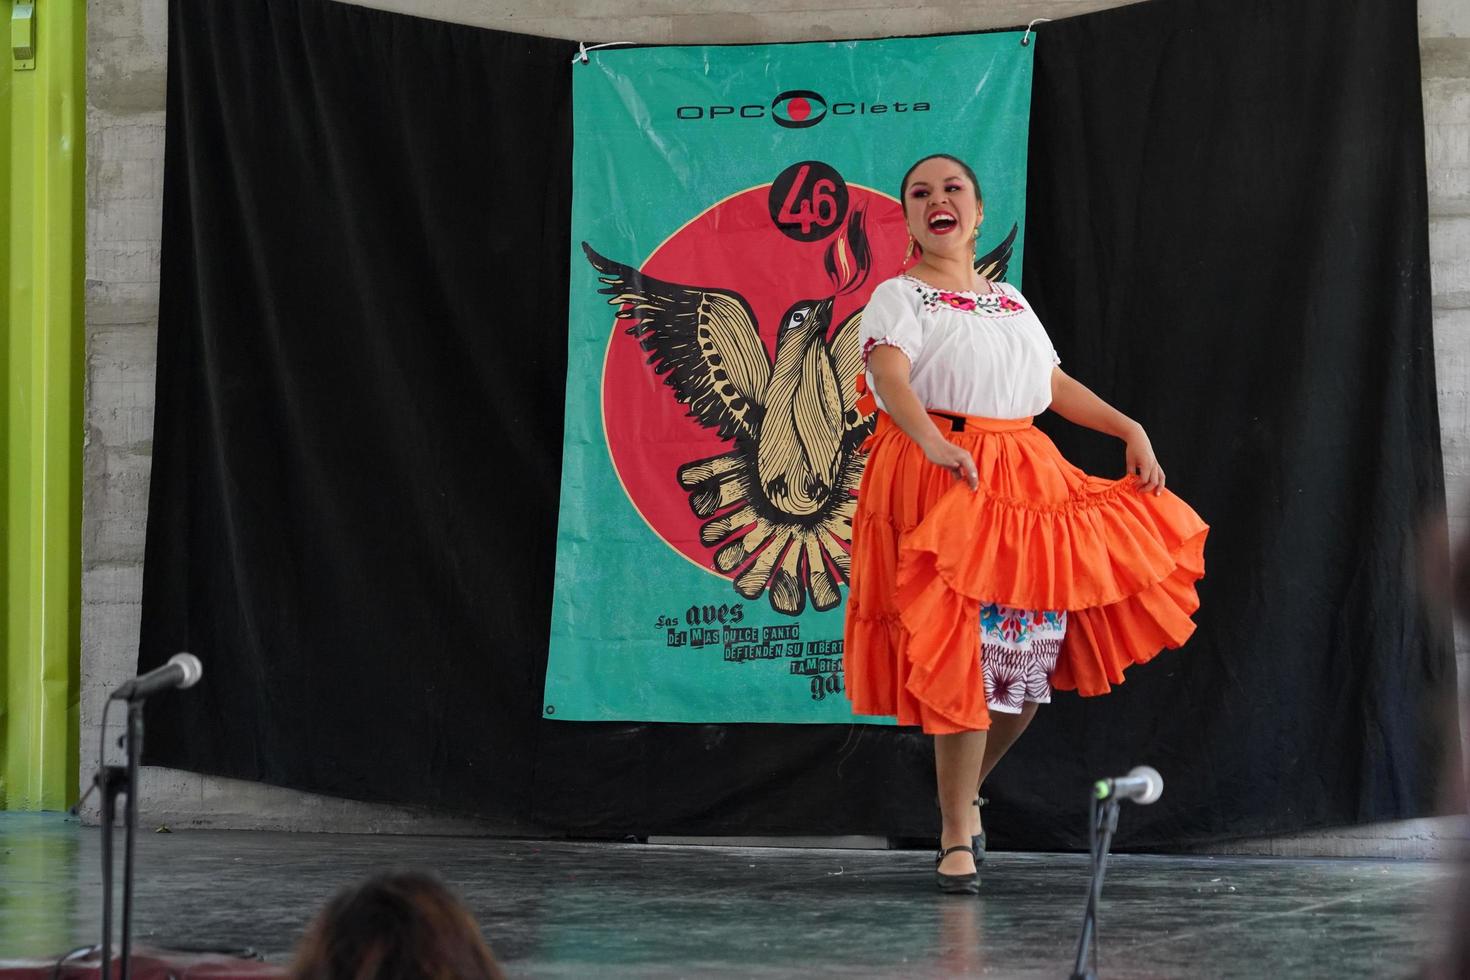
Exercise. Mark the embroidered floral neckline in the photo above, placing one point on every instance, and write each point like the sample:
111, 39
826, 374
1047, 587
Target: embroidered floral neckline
994, 303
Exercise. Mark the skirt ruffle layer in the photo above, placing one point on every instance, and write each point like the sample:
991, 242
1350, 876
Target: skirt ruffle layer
1039, 533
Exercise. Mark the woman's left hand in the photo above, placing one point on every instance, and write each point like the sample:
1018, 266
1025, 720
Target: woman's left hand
1143, 464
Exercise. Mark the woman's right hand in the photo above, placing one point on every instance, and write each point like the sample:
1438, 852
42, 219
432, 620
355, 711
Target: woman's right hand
890, 369
961, 464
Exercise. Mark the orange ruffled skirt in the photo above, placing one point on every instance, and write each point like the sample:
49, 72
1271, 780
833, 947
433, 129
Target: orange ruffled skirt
1039, 534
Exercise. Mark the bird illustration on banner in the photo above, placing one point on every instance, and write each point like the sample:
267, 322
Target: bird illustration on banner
776, 507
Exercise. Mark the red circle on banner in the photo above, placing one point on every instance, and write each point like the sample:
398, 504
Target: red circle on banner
798, 109
732, 247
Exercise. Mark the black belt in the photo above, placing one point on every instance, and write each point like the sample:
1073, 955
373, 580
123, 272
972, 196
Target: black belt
956, 422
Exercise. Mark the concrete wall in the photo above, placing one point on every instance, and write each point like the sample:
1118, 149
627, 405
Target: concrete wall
1444, 45
125, 125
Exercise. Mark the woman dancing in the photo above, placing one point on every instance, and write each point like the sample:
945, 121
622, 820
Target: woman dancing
986, 569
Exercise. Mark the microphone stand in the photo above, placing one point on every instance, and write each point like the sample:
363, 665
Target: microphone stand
111, 781
1101, 825
114, 781
130, 832
182, 670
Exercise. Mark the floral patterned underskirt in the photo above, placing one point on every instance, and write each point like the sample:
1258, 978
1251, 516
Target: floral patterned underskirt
1018, 652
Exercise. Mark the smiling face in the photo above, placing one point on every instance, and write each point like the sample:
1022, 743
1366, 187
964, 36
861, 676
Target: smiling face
942, 206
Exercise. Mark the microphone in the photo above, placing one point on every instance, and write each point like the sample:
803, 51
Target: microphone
1142, 785
182, 670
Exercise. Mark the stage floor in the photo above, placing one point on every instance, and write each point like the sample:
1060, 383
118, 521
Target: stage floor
555, 909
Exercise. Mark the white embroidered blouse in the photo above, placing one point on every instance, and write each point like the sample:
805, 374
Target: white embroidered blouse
971, 354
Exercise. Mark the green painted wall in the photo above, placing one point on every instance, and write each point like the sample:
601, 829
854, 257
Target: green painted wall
42, 135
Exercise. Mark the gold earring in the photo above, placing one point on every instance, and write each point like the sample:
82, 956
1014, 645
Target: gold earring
908, 254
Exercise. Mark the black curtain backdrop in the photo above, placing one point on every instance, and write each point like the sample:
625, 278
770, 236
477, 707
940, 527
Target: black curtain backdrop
358, 438
1228, 235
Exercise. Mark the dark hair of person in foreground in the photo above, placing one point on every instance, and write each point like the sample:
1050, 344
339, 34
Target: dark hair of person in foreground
403, 925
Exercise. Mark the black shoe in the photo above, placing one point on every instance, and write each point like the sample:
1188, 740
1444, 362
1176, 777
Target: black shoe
977, 841
956, 884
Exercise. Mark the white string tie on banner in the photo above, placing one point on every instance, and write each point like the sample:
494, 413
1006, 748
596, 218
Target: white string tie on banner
583, 49
1025, 38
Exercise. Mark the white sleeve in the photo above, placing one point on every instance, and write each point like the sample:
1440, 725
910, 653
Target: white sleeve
891, 317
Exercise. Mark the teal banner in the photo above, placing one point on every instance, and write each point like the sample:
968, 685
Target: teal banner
733, 208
